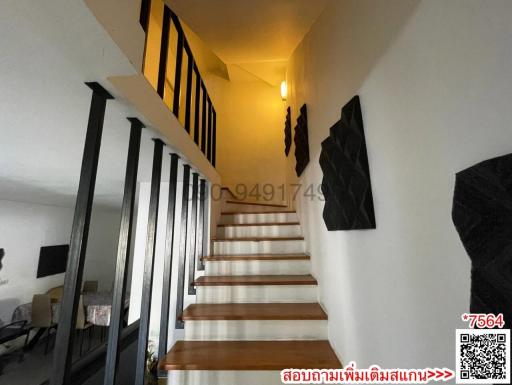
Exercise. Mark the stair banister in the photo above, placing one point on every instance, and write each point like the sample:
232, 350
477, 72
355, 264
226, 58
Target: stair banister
183, 246
63, 351
147, 281
123, 254
168, 257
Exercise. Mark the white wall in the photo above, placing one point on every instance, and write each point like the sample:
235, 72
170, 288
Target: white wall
435, 86
26, 227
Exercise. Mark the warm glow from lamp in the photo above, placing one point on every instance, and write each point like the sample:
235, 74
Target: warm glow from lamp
284, 90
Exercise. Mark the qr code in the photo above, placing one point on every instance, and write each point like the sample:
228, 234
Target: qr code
483, 356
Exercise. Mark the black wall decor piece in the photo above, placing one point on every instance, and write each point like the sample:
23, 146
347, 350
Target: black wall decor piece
2, 253
482, 214
52, 260
346, 183
301, 141
288, 131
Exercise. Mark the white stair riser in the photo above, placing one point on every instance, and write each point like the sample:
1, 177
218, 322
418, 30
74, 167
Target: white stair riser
258, 247
257, 294
256, 330
259, 218
236, 207
298, 267
259, 231
224, 377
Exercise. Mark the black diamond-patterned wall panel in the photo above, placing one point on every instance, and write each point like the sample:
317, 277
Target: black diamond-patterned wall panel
482, 214
346, 183
288, 132
301, 141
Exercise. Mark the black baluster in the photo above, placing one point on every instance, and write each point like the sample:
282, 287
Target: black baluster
203, 120
183, 246
169, 245
197, 105
177, 75
188, 101
201, 223
147, 280
164, 51
214, 144
209, 149
123, 254
145, 9
193, 240
63, 352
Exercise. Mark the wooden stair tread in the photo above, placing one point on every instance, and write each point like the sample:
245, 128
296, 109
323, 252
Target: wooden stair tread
258, 224
256, 257
236, 202
250, 355
257, 239
258, 212
254, 280
254, 311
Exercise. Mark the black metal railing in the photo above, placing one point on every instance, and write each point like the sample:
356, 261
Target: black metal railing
170, 67
192, 246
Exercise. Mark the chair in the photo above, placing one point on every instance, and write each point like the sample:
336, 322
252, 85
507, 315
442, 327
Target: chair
56, 293
11, 332
42, 315
82, 325
90, 287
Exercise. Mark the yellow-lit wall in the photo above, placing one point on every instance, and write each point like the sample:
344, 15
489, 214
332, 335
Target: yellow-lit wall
250, 139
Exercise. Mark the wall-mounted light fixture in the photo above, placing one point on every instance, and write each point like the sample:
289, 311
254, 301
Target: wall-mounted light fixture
284, 90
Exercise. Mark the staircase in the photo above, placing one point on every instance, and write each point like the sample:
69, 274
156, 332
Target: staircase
256, 310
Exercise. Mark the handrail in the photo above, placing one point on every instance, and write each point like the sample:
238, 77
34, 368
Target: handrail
206, 139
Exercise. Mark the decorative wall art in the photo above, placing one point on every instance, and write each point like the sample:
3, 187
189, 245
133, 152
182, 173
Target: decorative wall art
288, 131
346, 183
301, 141
482, 214
2, 281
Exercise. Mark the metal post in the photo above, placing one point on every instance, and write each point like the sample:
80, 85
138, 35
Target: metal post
177, 75
164, 51
214, 144
123, 254
197, 105
188, 100
183, 247
145, 10
203, 121
209, 148
60, 374
200, 225
147, 280
193, 240
169, 245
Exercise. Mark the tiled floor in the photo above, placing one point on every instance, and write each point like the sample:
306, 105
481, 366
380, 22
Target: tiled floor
36, 367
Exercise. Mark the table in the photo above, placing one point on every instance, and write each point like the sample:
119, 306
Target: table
98, 307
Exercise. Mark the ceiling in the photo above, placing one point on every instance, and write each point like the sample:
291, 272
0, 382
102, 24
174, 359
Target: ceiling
44, 104
259, 36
